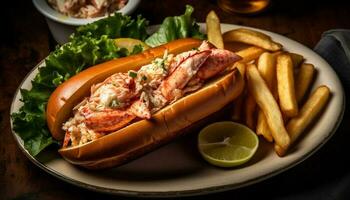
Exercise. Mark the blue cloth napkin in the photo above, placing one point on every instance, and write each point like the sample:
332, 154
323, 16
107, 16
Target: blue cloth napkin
334, 47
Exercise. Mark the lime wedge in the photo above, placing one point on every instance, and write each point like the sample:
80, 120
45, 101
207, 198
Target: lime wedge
129, 43
227, 144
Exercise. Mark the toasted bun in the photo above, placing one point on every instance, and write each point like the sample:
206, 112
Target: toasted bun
71, 92
140, 137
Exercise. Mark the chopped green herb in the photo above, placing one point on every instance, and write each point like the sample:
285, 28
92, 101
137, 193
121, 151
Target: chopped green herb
144, 78
132, 74
163, 66
137, 49
160, 63
114, 103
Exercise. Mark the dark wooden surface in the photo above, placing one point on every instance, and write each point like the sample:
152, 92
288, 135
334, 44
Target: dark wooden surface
25, 40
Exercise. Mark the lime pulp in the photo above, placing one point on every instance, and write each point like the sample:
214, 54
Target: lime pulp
227, 144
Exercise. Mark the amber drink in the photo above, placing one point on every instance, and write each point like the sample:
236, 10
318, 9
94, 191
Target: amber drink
244, 6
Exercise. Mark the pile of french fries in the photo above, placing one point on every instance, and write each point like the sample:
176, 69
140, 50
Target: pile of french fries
275, 103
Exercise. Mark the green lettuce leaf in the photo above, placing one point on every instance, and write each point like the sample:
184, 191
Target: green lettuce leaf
90, 45
172, 28
116, 26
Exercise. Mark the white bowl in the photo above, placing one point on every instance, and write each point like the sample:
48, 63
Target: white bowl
61, 26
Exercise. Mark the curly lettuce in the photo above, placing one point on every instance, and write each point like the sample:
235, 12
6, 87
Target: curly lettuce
172, 28
116, 26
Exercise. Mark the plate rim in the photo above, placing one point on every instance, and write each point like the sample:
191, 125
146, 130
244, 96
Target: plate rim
182, 193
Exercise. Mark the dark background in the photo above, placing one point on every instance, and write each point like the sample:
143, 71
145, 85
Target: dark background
25, 40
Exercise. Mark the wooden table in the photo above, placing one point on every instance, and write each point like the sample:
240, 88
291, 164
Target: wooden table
26, 40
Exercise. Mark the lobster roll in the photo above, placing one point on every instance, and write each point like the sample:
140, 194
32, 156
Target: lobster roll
116, 111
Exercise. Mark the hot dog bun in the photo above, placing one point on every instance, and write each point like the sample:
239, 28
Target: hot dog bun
71, 92
145, 135
142, 136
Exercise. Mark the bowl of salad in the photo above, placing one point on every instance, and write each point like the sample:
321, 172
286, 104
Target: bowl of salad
64, 16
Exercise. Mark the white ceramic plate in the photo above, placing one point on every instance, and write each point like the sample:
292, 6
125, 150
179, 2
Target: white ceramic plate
177, 169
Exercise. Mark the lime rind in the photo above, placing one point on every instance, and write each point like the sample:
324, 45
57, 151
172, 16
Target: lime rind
245, 156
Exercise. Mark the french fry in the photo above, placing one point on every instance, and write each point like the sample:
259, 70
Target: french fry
274, 88
249, 111
238, 103
308, 113
237, 109
276, 53
268, 105
267, 67
235, 46
303, 80
241, 68
285, 85
262, 128
267, 70
249, 108
296, 58
249, 36
214, 30
250, 53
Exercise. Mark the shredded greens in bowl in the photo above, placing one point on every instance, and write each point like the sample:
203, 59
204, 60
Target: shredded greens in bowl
89, 45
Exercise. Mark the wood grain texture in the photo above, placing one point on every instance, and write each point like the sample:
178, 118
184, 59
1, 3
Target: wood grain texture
26, 40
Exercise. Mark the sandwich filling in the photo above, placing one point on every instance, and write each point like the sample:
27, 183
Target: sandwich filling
126, 97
